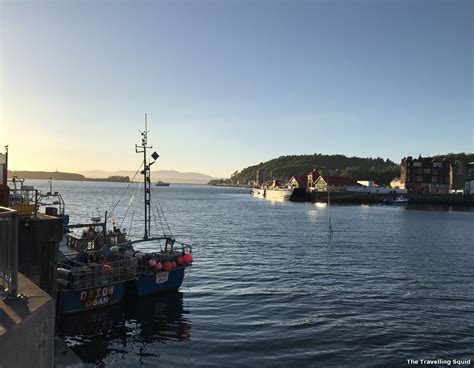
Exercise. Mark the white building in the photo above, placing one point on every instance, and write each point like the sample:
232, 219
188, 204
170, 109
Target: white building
367, 183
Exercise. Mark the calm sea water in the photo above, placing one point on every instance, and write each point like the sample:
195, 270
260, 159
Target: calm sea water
269, 288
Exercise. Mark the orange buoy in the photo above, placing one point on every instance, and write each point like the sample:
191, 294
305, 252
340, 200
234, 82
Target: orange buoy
173, 264
179, 261
167, 266
188, 258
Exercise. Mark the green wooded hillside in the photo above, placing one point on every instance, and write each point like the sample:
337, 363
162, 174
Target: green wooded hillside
377, 169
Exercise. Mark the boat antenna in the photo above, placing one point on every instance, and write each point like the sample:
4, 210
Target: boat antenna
146, 177
330, 231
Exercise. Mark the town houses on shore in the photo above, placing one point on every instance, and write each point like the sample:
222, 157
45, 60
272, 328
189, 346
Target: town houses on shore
422, 175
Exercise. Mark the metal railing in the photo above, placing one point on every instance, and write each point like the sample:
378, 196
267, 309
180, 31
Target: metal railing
8, 252
25, 201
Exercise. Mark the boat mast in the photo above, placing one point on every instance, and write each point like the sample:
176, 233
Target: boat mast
146, 179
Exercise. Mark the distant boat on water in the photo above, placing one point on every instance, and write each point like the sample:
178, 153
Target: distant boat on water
398, 200
273, 192
162, 184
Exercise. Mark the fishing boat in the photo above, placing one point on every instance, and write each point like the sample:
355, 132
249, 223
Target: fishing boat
397, 201
278, 193
160, 183
89, 275
161, 260
53, 203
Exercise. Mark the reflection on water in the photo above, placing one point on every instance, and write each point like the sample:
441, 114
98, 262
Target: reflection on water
129, 326
270, 289
440, 207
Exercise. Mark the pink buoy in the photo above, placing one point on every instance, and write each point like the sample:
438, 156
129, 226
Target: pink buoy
158, 266
179, 261
152, 263
107, 268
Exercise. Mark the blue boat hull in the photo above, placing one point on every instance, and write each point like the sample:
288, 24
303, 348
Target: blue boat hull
157, 283
72, 301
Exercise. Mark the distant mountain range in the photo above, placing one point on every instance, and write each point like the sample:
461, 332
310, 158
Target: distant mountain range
168, 176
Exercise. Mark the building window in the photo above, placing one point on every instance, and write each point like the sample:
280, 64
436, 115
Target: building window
434, 179
419, 171
434, 172
437, 164
427, 171
419, 178
417, 164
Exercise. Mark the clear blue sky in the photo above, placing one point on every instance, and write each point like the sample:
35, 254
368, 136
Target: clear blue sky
227, 84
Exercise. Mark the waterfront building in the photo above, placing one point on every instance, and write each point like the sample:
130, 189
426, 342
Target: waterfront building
3, 168
425, 175
396, 183
458, 176
469, 184
297, 182
336, 184
470, 171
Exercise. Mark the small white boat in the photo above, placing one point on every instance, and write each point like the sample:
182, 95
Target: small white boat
258, 192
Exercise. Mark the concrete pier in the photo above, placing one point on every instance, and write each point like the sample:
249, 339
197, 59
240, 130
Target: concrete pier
27, 328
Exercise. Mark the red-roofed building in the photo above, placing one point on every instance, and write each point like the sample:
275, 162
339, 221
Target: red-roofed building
336, 183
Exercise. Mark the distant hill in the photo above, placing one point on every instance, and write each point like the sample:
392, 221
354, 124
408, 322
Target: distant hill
463, 157
377, 169
169, 176
284, 167
46, 175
